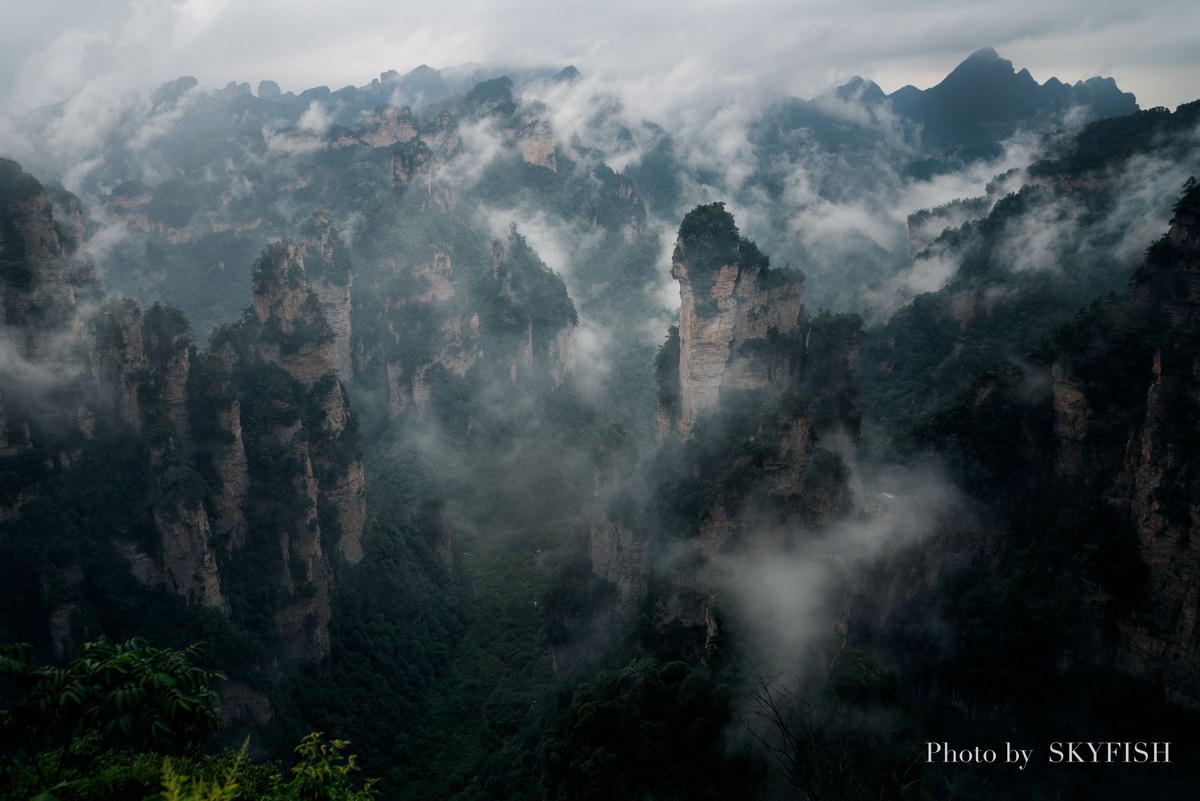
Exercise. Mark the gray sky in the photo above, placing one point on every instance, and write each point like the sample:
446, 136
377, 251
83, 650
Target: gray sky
675, 51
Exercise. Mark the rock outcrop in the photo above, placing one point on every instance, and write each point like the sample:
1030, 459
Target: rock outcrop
387, 126
294, 332
1156, 484
187, 564
327, 266
520, 324
121, 358
44, 275
200, 481
300, 340
620, 555
747, 359
727, 297
537, 145
222, 440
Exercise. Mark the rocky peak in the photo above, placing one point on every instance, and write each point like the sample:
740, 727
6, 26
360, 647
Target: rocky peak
767, 378
492, 97
859, 90
728, 296
42, 268
327, 265
121, 357
387, 126
985, 99
294, 332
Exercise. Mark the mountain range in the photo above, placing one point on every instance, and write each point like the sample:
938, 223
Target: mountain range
399, 415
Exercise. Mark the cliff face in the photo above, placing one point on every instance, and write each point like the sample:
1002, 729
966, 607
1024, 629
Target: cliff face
295, 334
537, 145
1117, 426
43, 277
748, 363
1091, 428
723, 303
120, 408
49, 349
79, 373
223, 441
514, 321
387, 126
1155, 485
1157, 489
327, 267
300, 341
121, 357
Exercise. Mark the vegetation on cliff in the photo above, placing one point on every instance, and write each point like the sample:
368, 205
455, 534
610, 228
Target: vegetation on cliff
709, 240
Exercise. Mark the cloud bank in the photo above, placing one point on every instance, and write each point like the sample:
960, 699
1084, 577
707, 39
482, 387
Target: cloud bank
682, 50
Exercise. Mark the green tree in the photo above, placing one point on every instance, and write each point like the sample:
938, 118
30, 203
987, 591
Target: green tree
322, 773
123, 720
650, 730
131, 694
130, 697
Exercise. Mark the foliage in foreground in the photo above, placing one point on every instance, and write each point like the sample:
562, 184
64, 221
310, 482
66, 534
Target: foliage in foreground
126, 720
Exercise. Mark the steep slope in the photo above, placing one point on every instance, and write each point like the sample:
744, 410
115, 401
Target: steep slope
1083, 482
139, 471
1154, 480
1045, 241
727, 295
746, 382
984, 99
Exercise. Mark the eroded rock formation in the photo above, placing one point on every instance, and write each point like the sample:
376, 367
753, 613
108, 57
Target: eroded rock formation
1156, 483
727, 296
515, 321
198, 502
744, 382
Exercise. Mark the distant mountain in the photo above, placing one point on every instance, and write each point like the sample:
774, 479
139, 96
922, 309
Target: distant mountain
985, 99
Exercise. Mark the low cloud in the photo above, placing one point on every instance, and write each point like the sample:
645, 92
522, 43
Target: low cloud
316, 119
791, 600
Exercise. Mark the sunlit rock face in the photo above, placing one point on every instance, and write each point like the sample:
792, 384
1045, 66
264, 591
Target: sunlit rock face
537, 145
388, 126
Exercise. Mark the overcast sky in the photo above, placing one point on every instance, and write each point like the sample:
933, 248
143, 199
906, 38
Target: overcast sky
50, 49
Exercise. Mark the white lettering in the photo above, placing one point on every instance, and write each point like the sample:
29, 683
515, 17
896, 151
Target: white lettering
1017, 755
